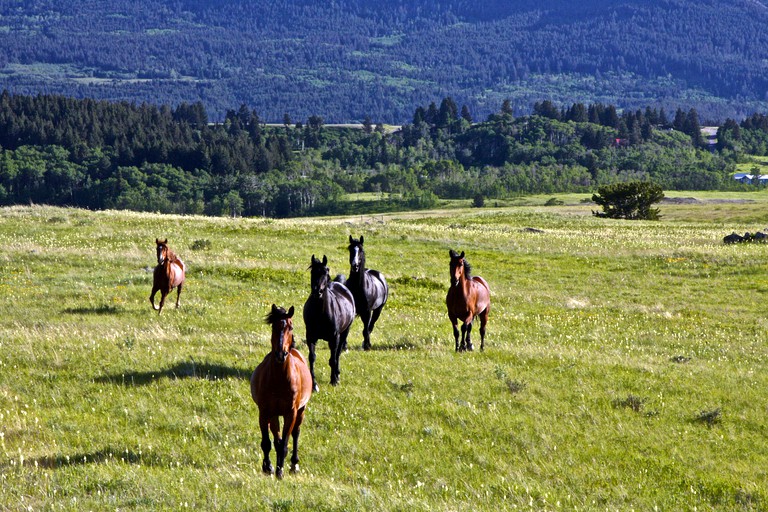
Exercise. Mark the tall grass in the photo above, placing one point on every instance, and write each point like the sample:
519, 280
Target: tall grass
625, 367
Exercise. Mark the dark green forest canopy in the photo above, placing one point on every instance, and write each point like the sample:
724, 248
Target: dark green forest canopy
354, 58
99, 154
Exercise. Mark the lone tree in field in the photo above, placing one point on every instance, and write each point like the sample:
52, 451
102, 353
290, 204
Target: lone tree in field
630, 200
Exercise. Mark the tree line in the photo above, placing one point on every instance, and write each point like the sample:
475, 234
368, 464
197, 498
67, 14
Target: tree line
98, 154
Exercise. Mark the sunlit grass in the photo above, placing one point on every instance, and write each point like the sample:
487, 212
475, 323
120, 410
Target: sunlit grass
625, 364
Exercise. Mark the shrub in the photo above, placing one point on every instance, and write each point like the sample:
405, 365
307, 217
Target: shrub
631, 200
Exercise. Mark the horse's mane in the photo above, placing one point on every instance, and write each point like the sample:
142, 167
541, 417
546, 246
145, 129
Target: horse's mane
467, 269
276, 315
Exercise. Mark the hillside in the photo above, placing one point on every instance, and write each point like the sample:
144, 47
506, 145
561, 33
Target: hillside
348, 59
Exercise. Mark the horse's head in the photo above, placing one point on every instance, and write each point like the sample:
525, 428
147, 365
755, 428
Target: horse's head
319, 276
162, 250
356, 254
282, 331
459, 267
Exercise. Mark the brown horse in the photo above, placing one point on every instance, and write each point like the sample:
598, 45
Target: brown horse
170, 273
469, 296
281, 386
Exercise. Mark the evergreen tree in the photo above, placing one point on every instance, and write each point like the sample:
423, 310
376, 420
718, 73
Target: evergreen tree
465, 114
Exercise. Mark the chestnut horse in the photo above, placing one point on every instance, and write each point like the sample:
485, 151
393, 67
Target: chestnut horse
469, 296
328, 314
169, 274
368, 287
281, 386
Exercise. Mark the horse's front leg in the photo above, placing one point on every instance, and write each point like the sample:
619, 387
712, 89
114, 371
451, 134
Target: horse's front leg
266, 444
155, 289
289, 421
295, 435
312, 356
468, 328
163, 295
280, 447
455, 324
365, 317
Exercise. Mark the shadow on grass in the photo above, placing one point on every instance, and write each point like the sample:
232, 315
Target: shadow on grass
105, 309
125, 456
182, 370
384, 347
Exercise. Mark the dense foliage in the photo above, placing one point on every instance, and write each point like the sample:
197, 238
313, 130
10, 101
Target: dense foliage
353, 58
97, 154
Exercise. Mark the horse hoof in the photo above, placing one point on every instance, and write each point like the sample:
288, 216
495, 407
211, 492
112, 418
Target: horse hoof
366, 346
266, 468
294, 469
279, 473
315, 388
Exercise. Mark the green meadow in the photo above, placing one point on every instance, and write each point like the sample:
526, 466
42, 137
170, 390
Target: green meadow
626, 363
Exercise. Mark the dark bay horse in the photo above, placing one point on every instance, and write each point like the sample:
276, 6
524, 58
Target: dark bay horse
170, 273
328, 314
281, 386
469, 296
368, 287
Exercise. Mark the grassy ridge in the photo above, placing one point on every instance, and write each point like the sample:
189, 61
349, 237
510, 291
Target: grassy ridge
625, 364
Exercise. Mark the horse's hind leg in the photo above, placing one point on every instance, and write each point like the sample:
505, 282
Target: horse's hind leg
483, 321
266, 444
374, 317
365, 317
335, 346
178, 295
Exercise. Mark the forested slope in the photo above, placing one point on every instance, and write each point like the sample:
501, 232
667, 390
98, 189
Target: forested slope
98, 154
351, 58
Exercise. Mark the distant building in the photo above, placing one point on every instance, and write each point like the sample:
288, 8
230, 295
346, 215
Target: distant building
749, 179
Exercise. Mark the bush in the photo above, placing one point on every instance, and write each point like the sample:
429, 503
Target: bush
631, 200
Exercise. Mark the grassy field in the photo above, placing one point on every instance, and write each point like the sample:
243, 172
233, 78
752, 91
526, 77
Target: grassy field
626, 363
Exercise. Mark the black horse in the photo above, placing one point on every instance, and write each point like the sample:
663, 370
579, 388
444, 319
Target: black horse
368, 287
328, 313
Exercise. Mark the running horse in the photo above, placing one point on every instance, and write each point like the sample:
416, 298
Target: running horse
170, 273
368, 287
469, 296
281, 386
328, 314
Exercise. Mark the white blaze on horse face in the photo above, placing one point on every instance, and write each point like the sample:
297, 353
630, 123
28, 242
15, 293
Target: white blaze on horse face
354, 259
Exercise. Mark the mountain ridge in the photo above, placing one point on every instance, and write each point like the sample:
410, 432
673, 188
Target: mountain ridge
349, 59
